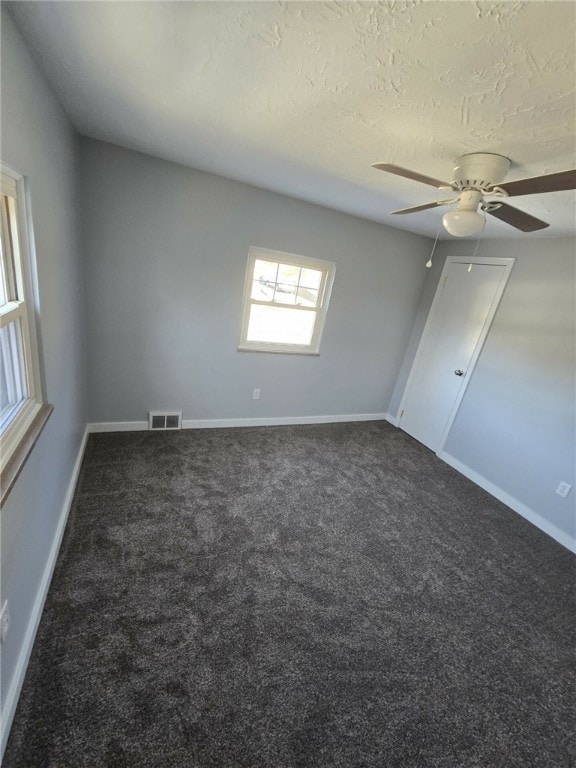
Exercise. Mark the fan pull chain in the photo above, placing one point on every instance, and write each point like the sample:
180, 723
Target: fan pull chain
476, 249
429, 262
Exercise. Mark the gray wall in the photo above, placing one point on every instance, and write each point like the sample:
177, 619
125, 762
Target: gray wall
166, 249
515, 425
165, 255
38, 141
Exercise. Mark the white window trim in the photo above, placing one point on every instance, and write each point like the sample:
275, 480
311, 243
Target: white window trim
328, 270
31, 415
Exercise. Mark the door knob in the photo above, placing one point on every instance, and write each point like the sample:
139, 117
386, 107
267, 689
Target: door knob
459, 372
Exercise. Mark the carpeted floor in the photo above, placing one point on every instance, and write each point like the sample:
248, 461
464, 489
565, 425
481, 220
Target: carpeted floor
326, 596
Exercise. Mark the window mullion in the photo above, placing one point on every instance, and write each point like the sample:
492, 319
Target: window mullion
276, 281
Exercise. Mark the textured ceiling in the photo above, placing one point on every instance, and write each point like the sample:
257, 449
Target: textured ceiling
301, 98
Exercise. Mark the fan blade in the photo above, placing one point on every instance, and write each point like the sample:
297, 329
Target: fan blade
514, 217
411, 175
553, 182
424, 207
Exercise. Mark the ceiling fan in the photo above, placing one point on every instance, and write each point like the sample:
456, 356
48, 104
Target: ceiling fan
479, 176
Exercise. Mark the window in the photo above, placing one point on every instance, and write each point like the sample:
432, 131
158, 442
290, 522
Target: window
285, 302
22, 413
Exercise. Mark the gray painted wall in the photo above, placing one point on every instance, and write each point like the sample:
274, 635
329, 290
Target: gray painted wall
38, 141
166, 249
516, 423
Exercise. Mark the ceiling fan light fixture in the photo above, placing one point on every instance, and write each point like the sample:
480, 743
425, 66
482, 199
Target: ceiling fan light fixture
479, 175
463, 223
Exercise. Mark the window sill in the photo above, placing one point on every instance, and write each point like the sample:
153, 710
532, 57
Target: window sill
13, 468
279, 351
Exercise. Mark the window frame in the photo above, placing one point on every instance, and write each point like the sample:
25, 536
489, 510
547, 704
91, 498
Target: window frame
26, 420
327, 268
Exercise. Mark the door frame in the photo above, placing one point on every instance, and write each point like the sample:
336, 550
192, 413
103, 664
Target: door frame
508, 263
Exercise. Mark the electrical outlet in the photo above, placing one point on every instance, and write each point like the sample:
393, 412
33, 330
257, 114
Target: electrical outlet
255, 394
4, 621
563, 489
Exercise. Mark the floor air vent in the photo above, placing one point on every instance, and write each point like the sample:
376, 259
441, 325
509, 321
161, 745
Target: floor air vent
164, 420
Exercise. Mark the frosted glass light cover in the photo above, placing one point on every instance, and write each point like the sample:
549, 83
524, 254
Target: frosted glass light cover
463, 223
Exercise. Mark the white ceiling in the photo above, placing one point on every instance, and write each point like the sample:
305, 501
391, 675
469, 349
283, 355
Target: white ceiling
301, 98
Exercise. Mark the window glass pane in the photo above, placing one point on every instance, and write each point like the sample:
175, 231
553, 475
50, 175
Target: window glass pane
3, 288
265, 271
286, 294
288, 274
307, 297
264, 281
262, 291
311, 278
12, 379
7, 287
280, 325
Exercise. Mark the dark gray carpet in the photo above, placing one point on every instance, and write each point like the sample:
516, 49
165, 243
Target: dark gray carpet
314, 596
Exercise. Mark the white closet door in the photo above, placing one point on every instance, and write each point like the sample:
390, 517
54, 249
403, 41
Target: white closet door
458, 323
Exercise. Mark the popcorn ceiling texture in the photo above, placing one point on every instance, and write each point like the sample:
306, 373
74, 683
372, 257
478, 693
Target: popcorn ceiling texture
301, 98
296, 597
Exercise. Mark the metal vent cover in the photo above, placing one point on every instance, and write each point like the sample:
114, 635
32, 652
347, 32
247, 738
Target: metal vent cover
162, 420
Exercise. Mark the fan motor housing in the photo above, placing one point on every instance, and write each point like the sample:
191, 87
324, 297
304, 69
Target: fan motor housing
479, 170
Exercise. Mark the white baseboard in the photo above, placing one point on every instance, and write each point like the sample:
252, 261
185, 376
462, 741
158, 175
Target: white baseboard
272, 421
394, 420
533, 517
278, 421
13, 694
117, 426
